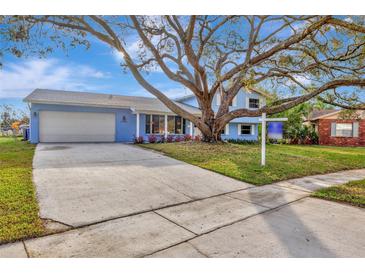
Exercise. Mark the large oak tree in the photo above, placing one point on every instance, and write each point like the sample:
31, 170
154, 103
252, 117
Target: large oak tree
291, 58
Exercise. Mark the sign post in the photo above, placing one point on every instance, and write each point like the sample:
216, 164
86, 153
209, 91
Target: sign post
263, 120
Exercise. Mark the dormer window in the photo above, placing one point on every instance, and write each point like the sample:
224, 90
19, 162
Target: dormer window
253, 103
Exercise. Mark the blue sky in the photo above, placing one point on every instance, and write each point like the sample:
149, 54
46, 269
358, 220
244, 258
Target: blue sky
96, 69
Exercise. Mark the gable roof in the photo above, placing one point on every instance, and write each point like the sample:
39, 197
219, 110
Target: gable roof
135, 103
264, 94
316, 114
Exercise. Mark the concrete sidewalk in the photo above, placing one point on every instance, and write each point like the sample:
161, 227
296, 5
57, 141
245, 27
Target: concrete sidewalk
277, 220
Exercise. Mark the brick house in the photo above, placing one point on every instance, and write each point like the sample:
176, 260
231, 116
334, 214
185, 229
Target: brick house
338, 127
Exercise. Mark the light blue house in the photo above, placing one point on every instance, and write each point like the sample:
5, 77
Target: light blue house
65, 116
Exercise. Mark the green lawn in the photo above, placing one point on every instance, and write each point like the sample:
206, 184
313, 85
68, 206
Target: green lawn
18, 205
283, 161
352, 193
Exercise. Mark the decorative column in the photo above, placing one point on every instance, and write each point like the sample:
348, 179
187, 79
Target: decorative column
137, 125
165, 126
191, 128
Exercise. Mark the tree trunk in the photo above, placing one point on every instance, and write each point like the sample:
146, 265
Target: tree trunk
213, 135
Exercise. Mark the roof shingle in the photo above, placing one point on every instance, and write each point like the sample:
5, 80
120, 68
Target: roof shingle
48, 96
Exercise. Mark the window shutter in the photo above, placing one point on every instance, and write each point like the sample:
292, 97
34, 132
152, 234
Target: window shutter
227, 129
262, 102
355, 129
238, 129
247, 102
252, 129
333, 129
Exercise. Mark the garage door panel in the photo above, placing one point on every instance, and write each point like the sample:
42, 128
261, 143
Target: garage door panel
58, 126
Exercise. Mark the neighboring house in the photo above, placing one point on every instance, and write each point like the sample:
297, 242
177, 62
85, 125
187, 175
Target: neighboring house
65, 116
338, 127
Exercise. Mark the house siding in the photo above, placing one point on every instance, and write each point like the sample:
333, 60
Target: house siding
325, 138
126, 120
241, 102
234, 134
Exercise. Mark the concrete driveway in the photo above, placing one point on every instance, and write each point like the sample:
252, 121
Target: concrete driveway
115, 200
80, 184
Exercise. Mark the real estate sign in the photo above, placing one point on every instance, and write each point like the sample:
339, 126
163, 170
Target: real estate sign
275, 130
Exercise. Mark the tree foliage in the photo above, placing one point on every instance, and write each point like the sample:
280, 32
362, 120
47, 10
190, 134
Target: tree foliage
10, 115
297, 57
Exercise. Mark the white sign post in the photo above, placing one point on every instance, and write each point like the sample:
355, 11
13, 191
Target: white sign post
263, 120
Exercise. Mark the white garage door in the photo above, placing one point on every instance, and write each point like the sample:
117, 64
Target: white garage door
57, 126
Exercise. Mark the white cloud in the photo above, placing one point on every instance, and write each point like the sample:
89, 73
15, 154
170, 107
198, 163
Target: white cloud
303, 80
19, 79
118, 56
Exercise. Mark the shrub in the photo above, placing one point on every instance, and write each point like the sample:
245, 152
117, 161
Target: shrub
138, 140
242, 142
302, 135
152, 139
187, 137
197, 138
162, 138
170, 138
178, 139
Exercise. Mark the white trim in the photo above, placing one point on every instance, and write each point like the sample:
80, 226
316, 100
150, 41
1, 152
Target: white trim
274, 119
239, 129
137, 125
75, 104
253, 129
226, 130
191, 128
234, 101
355, 129
247, 104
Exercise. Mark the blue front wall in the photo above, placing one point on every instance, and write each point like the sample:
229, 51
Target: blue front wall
233, 133
241, 99
125, 130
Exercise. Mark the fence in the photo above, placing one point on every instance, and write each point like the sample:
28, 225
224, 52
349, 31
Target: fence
10, 132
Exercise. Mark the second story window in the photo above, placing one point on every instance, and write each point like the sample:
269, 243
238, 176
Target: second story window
253, 103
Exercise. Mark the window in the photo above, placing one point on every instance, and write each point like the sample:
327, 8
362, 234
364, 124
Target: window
171, 124
155, 124
178, 125
344, 130
245, 129
253, 103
